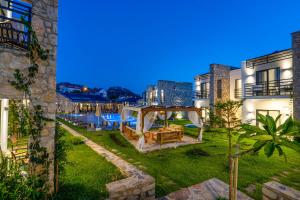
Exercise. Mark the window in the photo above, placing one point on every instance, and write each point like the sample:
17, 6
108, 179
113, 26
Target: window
272, 113
268, 82
269, 75
237, 88
204, 89
219, 89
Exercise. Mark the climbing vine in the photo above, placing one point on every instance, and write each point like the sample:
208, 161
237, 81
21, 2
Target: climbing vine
23, 81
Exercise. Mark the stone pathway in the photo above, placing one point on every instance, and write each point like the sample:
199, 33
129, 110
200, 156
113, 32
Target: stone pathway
207, 190
138, 185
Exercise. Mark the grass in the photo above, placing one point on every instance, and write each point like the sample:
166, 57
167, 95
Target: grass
86, 175
174, 168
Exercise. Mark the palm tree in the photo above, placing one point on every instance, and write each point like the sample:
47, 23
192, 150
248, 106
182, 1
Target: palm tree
271, 136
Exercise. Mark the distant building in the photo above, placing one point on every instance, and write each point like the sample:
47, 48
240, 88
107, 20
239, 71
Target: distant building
66, 87
86, 103
170, 93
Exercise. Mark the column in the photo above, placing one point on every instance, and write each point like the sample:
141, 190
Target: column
4, 124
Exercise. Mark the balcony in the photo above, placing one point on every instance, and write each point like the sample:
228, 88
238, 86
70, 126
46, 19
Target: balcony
14, 15
202, 94
282, 87
238, 93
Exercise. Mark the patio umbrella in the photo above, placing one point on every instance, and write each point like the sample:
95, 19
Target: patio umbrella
98, 113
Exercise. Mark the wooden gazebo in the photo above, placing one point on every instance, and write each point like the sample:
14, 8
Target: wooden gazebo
147, 115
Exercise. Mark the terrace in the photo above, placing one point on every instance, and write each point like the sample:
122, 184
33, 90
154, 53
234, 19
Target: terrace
269, 88
15, 16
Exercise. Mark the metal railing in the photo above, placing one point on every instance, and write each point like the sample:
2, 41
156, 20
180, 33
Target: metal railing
202, 94
238, 93
282, 87
14, 16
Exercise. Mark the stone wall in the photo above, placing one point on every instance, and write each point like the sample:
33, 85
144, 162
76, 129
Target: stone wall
64, 105
296, 72
219, 72
276, 191
44, 22
175, 93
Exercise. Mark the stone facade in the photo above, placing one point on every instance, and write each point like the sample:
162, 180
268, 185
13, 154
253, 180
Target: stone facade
219, 72
44, 23
296, 73
276, 191
170, 93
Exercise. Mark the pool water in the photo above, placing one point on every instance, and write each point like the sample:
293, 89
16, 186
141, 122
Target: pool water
109, 117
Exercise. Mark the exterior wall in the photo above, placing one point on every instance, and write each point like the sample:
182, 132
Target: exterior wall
64, 105
234, 74
296, 72
284, 105
201, 102
175, 93
219, 72
44, 22
286, 70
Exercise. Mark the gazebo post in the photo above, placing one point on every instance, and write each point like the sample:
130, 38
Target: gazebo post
166, 123
4, 124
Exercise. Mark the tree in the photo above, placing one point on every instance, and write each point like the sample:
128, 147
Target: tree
271, 136
227, 118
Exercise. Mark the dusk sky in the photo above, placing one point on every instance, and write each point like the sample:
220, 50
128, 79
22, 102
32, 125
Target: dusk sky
134, 43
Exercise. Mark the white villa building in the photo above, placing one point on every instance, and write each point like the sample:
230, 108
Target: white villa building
268, 84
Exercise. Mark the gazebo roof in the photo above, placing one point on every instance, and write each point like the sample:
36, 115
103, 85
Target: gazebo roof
145, 109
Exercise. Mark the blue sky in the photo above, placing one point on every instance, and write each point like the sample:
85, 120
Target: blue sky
134, 43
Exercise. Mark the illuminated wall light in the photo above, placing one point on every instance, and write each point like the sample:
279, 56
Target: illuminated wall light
250, 79
287, 64
287, 74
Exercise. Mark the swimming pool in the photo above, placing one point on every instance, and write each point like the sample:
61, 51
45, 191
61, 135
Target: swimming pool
109, 117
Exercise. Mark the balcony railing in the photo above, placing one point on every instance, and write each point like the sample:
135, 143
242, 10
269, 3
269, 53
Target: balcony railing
282, 87
202, 94
238, 93
14, 16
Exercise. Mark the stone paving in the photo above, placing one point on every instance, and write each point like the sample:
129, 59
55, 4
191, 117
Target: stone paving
138, 185
154, 146
207, 190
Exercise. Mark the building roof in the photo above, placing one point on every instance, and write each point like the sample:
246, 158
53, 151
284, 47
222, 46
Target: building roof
128, 99
85, 98
268, 58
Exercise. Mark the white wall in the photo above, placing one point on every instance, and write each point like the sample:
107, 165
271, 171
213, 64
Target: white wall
284, 105
249, 74
202, 103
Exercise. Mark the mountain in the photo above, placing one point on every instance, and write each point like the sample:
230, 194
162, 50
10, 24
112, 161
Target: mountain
119, 92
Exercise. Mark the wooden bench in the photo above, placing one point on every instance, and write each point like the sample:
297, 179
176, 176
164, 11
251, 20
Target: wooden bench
168, 136
130, 133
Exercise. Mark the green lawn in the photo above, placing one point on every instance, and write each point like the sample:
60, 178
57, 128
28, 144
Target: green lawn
86, 175
174, 168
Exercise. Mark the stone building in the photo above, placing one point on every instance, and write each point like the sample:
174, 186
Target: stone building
14, 39
222, 83
170, 93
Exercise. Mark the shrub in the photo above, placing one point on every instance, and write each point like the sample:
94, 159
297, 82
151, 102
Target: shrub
117, 140
196, 152
76, 140
14, 185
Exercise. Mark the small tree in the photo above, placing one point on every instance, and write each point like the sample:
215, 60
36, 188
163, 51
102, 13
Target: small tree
227, 118
271, 136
